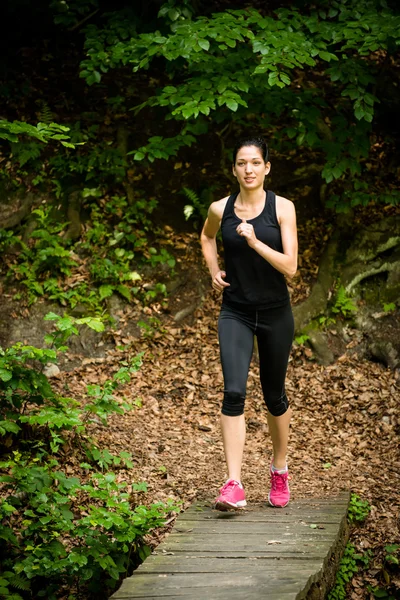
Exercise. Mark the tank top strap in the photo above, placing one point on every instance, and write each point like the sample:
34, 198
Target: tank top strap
229, 206
270, 208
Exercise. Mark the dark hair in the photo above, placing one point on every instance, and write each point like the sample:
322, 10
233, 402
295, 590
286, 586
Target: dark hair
252, 141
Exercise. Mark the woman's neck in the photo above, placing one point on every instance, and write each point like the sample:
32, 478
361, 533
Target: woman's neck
251, 197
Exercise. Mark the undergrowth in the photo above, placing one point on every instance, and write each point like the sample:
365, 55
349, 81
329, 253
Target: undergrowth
352, 561
60, 532
108, 259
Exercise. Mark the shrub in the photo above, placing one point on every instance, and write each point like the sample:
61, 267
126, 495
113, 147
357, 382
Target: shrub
61, 532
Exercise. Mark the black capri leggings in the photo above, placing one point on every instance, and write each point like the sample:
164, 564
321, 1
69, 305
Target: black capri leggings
274, 329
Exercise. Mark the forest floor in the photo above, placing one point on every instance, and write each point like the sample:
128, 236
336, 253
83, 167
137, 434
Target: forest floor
344, 430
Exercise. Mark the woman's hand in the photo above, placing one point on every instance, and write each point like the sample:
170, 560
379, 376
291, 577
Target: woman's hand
247, 231
218, 282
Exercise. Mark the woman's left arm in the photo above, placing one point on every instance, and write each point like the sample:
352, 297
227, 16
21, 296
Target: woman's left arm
285, 262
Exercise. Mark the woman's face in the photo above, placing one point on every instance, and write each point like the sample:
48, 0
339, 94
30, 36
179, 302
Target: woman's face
250, 168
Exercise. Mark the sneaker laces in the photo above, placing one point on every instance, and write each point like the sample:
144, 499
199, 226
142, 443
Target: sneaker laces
279, 481
229, 484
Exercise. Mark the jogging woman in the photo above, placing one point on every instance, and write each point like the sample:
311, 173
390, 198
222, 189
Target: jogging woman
260, 249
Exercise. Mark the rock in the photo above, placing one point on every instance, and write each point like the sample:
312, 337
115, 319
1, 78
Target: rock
51, 370
185, 312
319, 344
386, 352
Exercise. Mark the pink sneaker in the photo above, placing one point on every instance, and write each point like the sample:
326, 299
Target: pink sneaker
231, 496
279, 495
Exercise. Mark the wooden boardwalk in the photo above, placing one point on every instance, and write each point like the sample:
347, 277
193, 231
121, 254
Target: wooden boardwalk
259, 552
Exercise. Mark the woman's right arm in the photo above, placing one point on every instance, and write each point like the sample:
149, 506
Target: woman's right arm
209, 244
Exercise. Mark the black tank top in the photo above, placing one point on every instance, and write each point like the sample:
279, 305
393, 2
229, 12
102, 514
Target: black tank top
254, 282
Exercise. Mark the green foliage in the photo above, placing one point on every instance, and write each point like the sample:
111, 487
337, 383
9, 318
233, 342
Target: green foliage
24, 152
10, 579
390, 307
116, 248
176, 9
74, 532
347, 569
380, 593
197, 208
42, 132
324, 321
301, 339
392, 555
358, 509
159, 147
339, 41
46, 258
7, 239
343, 304
70, 14
55, 543
150, 328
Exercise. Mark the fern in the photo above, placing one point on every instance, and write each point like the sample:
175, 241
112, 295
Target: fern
343, 303
195, 206
14, 580
23, 152
19, 581
192, 196
45, 114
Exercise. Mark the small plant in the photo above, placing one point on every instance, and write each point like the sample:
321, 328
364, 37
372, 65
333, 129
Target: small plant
358, 509
150, 328
197, 206
392, 555
343, 304
347, 569
47, 256
390, 307
325, 321
380, 593
301, 339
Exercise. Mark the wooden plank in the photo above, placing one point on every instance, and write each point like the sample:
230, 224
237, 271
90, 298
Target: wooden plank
185, 584
242, 517
238, 527
234, 594
207, 514
172, 563
301, 503
294, 554
250, 543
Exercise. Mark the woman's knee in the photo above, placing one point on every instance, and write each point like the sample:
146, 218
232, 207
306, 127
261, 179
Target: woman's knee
233, 404
277, 406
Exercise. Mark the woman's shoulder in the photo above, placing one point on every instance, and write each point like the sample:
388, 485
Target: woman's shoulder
284, 207
217, 208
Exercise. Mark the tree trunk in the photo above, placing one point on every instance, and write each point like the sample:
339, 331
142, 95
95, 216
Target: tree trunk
367, 266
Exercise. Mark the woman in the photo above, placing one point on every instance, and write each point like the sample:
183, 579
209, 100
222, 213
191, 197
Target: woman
260, 249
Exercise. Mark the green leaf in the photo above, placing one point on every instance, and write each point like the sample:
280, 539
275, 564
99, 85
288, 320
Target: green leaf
327, 56
205, 44
285, 78
106, 291
232, 104
5, 375
124, 291
92, 322
173, 14
273, 78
